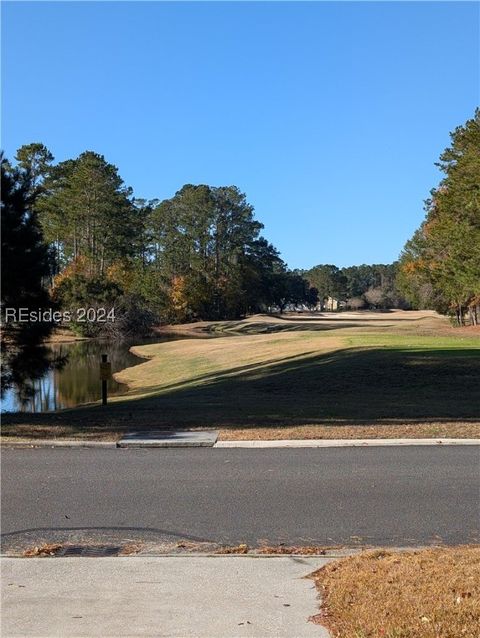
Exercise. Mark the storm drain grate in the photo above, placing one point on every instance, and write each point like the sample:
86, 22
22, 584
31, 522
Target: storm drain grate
94, 551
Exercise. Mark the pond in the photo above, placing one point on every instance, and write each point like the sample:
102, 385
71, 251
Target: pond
77, 380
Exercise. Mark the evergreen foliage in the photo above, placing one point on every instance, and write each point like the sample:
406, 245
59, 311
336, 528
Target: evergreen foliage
440, 264
25, 263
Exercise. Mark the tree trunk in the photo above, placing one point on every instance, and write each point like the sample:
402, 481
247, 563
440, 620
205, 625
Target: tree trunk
471, 316
102, 261
75, 247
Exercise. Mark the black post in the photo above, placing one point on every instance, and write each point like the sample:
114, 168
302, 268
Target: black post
104, 383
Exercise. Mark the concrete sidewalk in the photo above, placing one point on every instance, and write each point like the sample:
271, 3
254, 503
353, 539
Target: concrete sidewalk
178, 597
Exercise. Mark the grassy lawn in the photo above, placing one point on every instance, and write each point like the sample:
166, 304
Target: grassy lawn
432, 593
389, 375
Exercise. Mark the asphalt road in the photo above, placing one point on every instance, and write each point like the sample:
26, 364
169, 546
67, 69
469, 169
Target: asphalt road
376, 496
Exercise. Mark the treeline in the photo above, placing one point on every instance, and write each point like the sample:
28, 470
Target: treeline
201, 253
198, 255
356, 287
440, 265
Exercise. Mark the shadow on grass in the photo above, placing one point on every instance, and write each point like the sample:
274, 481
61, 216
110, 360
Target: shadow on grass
214, 376
347, 387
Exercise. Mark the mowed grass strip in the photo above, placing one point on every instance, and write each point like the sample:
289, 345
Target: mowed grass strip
432, 593
195, 362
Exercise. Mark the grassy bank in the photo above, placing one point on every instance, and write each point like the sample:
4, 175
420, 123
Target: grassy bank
353, 376
432, 593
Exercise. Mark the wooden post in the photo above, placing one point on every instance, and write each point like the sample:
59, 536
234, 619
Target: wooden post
105, 373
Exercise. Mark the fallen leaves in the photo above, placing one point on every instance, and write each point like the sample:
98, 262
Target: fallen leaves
130, 548
53, 549
47, 549
303, 550
242, 548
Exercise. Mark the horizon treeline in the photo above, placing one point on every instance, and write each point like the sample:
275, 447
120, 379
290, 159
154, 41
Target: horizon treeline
197, 255
372, 286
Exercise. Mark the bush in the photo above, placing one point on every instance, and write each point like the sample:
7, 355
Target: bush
125, 314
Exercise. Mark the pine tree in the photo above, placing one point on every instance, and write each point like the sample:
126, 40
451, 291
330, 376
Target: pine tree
25, 265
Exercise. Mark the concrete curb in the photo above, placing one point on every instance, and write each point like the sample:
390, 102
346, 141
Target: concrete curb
338, 556
324, 443
58, 443
287, 443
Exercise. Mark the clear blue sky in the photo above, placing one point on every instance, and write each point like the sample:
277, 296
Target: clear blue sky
329, 116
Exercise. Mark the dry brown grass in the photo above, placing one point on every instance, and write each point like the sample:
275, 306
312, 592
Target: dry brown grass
26, 431
460, 430
430, 321
431, 593
418, 322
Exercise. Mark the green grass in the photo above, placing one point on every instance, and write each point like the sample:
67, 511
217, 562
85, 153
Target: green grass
433, 342
372, 381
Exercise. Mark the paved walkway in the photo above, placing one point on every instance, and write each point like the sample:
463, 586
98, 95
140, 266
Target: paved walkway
178, 597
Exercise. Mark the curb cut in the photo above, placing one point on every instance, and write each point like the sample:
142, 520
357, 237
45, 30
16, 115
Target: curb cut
280, 443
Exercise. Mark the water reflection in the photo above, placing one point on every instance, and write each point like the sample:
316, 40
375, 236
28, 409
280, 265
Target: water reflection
71, 376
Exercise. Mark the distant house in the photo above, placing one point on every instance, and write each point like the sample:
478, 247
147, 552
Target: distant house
331, 304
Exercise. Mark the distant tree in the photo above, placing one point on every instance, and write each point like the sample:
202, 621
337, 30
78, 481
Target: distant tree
375, 297
35, 160
87, 211
208, 237
291, 288
261, 266
144, 250
356, 303
359, 279
328, 280
311, 296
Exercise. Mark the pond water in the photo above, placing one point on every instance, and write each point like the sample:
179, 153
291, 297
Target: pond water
77, 381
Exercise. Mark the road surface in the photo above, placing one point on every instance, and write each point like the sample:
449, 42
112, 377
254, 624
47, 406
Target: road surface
344, 496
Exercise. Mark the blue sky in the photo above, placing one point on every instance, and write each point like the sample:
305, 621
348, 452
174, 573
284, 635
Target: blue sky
329, 116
